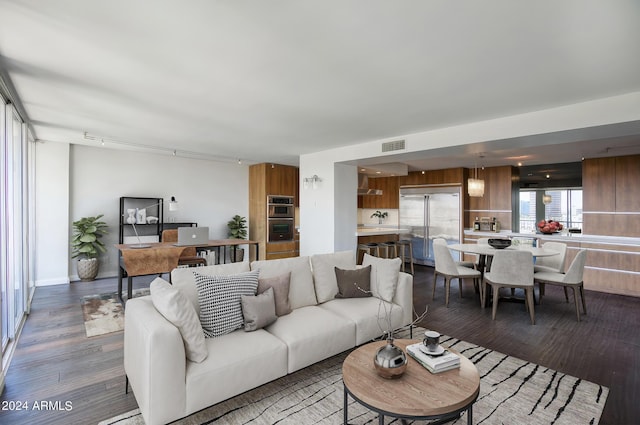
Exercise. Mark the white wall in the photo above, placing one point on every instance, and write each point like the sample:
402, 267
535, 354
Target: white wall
74, 181
320, 231
51, 254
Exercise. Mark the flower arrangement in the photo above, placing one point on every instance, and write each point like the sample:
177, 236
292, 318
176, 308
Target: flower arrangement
549, 226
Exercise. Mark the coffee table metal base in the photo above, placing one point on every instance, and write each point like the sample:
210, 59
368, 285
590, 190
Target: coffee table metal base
439, 419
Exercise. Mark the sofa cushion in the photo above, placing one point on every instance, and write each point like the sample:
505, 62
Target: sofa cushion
219, 298
324, 276
175, 307
301, 292
312, 334
242, 361
369, 315
280, 285
384, 275
183, 278
258, 310
354, 283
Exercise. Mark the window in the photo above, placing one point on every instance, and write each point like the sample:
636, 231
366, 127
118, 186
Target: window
565, 207
14, 268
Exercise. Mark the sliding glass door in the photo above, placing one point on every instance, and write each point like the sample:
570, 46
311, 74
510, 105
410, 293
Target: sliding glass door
13, 222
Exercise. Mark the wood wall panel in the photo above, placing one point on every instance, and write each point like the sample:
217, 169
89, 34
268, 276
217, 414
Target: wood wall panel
598, 184
611, 282
627, 224
599, 224
627, 169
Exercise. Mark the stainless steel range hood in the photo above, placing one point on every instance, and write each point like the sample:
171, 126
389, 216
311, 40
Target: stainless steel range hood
363, 186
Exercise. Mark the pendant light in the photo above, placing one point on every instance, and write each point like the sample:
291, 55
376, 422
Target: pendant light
475, 186
546, 199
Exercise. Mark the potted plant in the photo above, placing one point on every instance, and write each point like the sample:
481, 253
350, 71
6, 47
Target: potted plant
381, 216
237, 230
87, 246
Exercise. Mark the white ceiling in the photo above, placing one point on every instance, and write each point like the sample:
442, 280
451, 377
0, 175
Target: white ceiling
267, 81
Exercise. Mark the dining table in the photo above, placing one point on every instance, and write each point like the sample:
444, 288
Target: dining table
484, 252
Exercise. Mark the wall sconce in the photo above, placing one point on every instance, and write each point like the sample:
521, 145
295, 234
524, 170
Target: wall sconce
313, 181
475, 186
546, 199
173, 204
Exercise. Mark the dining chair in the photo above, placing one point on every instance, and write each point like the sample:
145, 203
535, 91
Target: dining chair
553, 263
469, 264
571, 279
510, 269
447, 267
189, 255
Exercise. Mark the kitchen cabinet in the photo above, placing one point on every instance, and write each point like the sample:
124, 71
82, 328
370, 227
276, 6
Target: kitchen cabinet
270, 179
500, 199
388, 199
611, 196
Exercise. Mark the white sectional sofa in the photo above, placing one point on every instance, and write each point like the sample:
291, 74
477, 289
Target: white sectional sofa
168, 386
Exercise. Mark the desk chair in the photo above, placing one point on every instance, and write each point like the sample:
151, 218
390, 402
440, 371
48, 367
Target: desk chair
189, 256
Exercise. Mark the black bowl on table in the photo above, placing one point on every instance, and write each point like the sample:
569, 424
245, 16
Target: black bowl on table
499, 243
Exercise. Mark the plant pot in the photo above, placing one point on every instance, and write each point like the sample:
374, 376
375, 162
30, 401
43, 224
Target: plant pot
237, 255
88, 269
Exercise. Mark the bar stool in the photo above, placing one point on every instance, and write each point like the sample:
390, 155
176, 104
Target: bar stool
390, 249
371, 248
401, 246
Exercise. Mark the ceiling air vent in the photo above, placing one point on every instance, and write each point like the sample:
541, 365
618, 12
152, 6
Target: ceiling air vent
396, 145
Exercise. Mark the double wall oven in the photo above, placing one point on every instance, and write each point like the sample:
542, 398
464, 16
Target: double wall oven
280, 218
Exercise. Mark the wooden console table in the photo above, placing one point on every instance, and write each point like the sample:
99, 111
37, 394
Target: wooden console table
162, 257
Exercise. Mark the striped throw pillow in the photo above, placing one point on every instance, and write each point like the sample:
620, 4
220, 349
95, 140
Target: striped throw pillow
220, 301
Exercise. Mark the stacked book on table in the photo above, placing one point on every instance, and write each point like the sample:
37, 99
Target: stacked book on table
434, 364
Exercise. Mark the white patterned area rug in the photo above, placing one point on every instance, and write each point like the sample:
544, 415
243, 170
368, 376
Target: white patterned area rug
103, 313
512, 391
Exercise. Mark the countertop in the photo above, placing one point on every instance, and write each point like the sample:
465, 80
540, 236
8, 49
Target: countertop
379, 230
563, 237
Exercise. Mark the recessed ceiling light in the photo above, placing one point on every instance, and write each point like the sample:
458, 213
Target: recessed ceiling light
422, 171
378, 172
519, 164
548, 176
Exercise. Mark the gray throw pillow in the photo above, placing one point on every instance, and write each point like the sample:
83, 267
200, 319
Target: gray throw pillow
259, 310
219, 299
280, 285
354, 283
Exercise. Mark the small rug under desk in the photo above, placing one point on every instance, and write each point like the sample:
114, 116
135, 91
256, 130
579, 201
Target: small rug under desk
103, 313
512, 391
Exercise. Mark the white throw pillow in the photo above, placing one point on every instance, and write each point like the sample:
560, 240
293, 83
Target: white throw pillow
324, 275
220, 303
177, 309
384, 275
301, 292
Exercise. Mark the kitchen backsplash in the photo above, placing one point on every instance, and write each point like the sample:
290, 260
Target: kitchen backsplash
364, 217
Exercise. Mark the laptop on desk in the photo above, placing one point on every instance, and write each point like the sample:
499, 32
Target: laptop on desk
192, 236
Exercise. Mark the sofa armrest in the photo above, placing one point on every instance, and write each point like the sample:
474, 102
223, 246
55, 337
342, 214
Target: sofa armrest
404, 297
155, 362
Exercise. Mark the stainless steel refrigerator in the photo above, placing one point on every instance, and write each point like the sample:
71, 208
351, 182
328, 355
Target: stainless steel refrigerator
430, 212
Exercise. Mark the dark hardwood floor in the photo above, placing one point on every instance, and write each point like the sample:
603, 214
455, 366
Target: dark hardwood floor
55, 361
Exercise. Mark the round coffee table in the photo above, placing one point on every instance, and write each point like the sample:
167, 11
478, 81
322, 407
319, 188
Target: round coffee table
417, 394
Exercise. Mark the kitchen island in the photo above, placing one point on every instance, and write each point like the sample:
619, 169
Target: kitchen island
613, 262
